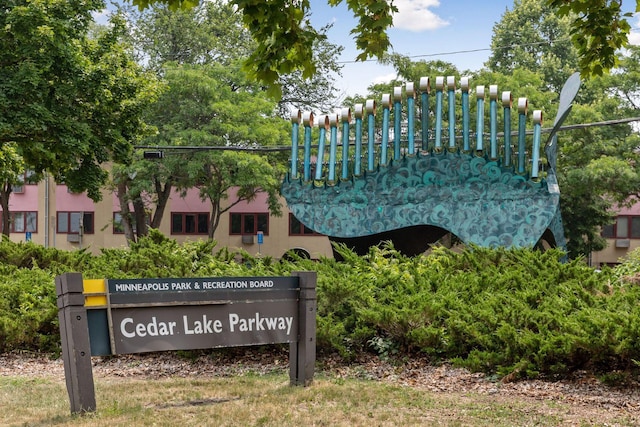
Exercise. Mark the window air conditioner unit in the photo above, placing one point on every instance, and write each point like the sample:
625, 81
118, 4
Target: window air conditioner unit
622, 243
73, 238
247, 239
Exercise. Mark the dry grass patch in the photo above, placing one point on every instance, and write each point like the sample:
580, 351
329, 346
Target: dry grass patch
268, 400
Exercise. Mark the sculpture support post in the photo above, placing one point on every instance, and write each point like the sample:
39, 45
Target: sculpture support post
522, 119
493, 126
357, 168
439, 88
480, 119
323, 124
295, 129
307, 121
507, 100
371, 131
451, 92
333, 146
386, 106
425, 88
346, 118
397, 119
535, 155
411, 146
464, 86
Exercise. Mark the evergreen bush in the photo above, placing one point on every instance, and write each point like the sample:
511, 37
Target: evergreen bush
514, 312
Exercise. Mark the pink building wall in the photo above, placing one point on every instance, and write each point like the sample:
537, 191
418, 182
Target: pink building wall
632, 210
66, 201
189, 203
115, 202
24, 202
258, 205
192, 203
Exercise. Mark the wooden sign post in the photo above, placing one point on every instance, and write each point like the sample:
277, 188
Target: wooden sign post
105, 317
76, 351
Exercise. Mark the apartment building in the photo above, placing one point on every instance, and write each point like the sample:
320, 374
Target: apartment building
48, 214
622, 237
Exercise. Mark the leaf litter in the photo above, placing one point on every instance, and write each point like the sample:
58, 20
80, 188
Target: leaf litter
589, 398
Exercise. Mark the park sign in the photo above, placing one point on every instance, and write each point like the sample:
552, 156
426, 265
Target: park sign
196, 313
203, 326
123, 316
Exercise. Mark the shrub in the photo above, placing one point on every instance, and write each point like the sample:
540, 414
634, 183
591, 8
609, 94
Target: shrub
517, 312
28, 311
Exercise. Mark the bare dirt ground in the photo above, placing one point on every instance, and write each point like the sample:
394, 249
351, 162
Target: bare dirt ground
588, 397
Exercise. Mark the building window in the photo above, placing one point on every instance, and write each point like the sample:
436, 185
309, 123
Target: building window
625, 227
118, 226
23, 222
634, 227
72, 222
24, 178
296, 228
189, 223
249, 223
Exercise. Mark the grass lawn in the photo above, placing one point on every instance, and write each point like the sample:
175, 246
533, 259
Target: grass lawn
268, 400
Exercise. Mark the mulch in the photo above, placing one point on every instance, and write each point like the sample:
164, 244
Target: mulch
581, 389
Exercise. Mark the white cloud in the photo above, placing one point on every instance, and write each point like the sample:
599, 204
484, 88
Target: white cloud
102, 16
386, 78
634, 35
415, 15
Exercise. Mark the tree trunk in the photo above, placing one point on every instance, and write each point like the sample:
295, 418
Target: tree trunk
214, 221
163, 198
140, 213
6, 215
127, 223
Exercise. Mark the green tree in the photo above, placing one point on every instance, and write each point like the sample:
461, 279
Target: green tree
531, 37
412, 71
204, 34
317, 93
201, 108
209, 33
599, 29
178, 45
596, 165
285, 36
595, 172
216, 174
11, 170
69, 102
71, 97
143, 189
601, 167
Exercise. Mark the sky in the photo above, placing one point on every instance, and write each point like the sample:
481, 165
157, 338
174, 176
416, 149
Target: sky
456, 31
424, 29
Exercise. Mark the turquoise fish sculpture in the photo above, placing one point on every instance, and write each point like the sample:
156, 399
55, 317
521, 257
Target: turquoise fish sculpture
484, 187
